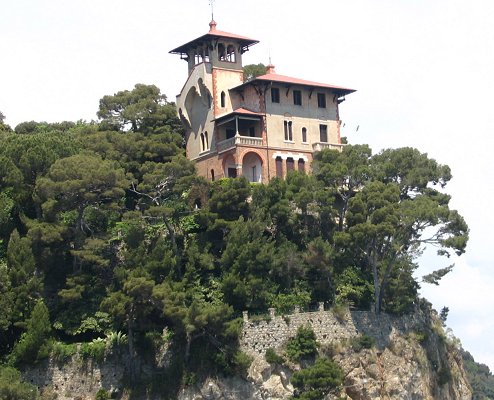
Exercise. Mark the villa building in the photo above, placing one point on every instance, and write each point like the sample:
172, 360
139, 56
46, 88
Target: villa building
260, 128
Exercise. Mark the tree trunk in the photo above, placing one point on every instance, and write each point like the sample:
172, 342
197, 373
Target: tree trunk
173, 239
130, 337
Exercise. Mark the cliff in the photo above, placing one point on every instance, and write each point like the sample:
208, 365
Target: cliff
409, 357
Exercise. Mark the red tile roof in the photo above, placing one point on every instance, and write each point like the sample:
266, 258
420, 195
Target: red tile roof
212, 34
240, 111
296, 81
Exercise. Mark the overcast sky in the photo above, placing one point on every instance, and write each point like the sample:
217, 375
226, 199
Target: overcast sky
424, 71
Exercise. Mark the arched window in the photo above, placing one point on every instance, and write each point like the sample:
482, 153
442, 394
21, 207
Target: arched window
290, 165
203, 147
221, 52
223, 96
279, 167
304, 135
301, 165
212, 175
230, 53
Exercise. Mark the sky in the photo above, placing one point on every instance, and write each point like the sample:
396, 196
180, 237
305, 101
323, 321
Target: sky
423, 70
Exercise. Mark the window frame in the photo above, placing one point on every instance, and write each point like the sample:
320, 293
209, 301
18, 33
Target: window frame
275, 95
297, 97
321, 100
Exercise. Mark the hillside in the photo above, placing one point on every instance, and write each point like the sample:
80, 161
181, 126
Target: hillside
110, 241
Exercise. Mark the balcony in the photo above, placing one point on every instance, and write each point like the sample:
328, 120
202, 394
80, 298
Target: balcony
318, 146
228, 144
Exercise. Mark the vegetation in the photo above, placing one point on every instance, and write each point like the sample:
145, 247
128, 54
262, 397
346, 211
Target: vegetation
106, 231
12, 388
303, 345
316, 381
480, 378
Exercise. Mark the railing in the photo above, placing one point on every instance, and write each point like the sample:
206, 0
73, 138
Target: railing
227, 144
250, 141
318, 146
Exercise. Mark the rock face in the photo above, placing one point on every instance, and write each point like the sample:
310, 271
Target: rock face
411, 359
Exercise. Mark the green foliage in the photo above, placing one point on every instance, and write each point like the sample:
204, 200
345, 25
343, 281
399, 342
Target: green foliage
303, 345
315, 382
95, 350
61, 351
241, 362
479, 376
34, 344
354, 288
12, 387
141, 110
444, 375
253, 70
108, 224
102, 394
361, 342
272, 357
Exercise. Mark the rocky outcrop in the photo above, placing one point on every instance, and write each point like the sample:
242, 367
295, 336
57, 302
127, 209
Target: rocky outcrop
411, 359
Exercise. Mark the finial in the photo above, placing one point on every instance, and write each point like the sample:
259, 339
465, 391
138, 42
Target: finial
211, 2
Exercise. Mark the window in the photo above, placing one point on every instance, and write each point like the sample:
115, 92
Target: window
230, 133
321, 100
252, 131
222, 99
279, 167
290, 165
275, 95
297, 97
203, 146
287, 125
304, 135
323, 133
230, 53
232, 172
221, 52
206, 140
301, 165
212, 175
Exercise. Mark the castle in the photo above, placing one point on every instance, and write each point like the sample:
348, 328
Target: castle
260, 128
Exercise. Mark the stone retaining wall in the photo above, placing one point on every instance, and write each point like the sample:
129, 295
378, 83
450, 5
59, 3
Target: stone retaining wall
275, 330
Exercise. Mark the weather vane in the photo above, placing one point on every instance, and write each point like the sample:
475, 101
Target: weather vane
211, 2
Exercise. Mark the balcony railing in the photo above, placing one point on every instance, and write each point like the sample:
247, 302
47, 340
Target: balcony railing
228, 144
318, 146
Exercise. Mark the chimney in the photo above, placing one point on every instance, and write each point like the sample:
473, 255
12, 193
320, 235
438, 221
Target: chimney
270, 69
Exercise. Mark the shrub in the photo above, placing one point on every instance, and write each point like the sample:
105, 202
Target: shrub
241, 362
362, 342
12, 388
61, 351
339, 310
116, 339
443, 375
303, 345
272, 357
95, 350
102, 394
318, 380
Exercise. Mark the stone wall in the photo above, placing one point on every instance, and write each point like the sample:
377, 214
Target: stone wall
274, 331
77, 378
